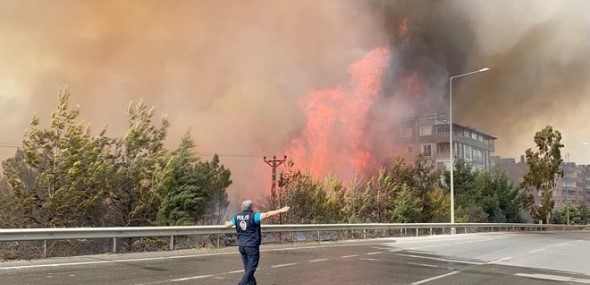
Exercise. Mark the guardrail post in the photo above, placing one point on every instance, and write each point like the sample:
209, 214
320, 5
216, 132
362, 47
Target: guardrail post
217, 240
364, 234
114, 245
44, 248
430, 230
319, 240
417, 232
465, 230
171, 242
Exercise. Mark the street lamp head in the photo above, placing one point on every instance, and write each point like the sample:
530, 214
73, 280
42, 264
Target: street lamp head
484, 69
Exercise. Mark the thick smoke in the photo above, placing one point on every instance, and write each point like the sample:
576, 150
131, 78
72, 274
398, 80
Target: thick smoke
233, 72
538, 52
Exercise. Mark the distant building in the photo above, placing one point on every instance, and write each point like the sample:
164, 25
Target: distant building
429, 136
514, 169
574, 186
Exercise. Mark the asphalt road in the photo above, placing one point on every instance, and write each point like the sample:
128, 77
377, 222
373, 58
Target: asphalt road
493, 258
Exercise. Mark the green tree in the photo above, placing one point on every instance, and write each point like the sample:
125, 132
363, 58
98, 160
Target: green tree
406, 206
18, 199
217, 180
70, 168
378, 197
423, 179
502, 201
544, 164
354, 201
336, 205
308, 200
183, 184
138, 161
440, 205
468, 197
568, 208
584, 213
426, 178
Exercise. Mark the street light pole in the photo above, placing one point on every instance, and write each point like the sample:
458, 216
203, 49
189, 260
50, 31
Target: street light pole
451, 166
566, 187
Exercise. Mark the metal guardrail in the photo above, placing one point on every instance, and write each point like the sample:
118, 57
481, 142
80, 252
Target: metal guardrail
45, 234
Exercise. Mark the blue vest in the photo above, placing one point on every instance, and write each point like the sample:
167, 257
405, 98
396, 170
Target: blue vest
248, 231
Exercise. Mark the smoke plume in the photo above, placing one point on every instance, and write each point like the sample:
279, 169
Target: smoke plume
236, 72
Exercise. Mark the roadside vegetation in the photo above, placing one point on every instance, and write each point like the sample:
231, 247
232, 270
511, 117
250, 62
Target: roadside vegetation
64, 176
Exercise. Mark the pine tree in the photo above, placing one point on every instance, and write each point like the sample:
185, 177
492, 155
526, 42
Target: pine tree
544, 164
185, 188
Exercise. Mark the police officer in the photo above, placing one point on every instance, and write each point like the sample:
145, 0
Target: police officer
247, 225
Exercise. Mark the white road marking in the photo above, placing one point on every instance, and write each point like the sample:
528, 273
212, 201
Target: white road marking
319, 260
369, 259
113, 261
500, 260
562, 244
441, 259
554, 278
54, 265
435, 277
424, 264
283, 265
537, 250
191, 278
373, 253
348, 256
235, 271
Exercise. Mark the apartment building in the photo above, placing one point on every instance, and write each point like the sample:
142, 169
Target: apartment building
574, 186
515, 170
429, 136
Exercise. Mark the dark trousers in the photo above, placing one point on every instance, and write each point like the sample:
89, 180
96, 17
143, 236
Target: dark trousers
250, 257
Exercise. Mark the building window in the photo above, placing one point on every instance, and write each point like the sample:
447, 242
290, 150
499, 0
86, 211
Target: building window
427, 150
467, 152
425, 130
406, 133
409, 149
442, 148
478, 155
474, 136
466, 134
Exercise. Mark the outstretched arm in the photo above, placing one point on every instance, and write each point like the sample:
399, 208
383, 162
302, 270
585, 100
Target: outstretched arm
275, 212
228, 224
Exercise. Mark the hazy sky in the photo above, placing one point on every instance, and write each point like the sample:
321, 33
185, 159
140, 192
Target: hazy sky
234, 72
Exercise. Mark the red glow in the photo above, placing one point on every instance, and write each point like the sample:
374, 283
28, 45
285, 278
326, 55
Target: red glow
334, 138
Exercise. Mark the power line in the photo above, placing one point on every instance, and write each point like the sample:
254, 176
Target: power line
9, 145
231, 155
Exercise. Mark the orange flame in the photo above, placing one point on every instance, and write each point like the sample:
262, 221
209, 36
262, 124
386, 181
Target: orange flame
334, 139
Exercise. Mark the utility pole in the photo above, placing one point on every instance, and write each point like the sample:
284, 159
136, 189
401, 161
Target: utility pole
566, 186
274, 163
